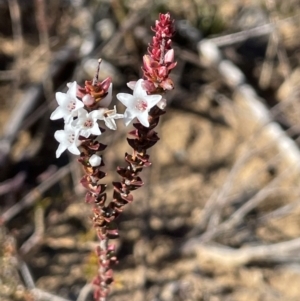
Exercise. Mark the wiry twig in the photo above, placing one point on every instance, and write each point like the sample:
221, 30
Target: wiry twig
274, 46
235, 78
26, 275
37, 236
278, 252
258, 31
29, 199
218, 200
239, 214
15, 14
131, 21
15, 121
12, 184
41, 21
84, 292
28, 102
279, 212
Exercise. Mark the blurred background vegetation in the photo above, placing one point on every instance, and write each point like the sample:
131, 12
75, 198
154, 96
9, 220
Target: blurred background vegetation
218, 216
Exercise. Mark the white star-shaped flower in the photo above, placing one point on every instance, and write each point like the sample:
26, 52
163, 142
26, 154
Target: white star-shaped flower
139, 104
68, 104
87, 123
68, 139
109, 117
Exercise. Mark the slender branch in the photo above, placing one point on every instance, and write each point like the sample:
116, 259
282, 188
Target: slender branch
30, 198
279, 252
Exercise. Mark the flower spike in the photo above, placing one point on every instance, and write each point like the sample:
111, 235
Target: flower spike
139, 104
83, 108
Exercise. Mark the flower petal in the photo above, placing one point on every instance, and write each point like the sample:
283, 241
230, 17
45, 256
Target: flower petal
85, 133
131, 85
61, 98
58, 113
60, 136
110, 123
128, 117
95, 130
126, 99
73, 149
82, 113
152, 100
138, 91
61, 148
72, 90
143, 119
97, 114
118, 116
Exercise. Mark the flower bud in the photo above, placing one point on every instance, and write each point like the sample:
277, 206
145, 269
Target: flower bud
95, 160
88, 100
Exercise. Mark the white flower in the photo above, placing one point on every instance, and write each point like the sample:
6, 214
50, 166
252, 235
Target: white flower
68, 139
139, 104
68, 104
95, 160
87, 123
109, 117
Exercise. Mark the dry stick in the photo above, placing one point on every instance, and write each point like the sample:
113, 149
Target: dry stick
235, 78
239, 214
279, 212
212, 209
258, 31
273, 43
38, 234
28, 102
37, 293
281, 51
293, 97
218, 200
26, 275
15, 14
267, 67
277, 252
110, 48
121, 15
29, 199
41, 21
84, 292
13, 184
216, 203
215, 219
14, 124
194, 244
273, 47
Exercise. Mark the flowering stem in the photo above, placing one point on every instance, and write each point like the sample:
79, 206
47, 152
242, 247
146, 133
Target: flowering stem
83, 107
96, 77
